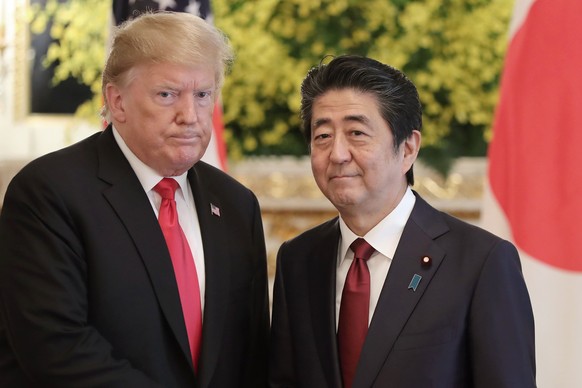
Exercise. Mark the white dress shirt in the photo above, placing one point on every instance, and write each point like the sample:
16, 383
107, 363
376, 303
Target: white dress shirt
384, 238
187, 215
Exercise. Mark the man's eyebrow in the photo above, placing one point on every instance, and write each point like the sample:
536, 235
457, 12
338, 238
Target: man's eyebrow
319, 122
357, 118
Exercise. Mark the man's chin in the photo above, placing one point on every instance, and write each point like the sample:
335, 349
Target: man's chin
342, 201
180, 166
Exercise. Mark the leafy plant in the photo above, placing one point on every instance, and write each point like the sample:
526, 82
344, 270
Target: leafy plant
451, 49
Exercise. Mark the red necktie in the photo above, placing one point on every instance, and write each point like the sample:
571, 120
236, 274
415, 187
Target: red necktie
184, 267
354, 310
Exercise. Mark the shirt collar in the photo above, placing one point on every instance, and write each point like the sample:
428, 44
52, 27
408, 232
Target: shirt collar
384, 237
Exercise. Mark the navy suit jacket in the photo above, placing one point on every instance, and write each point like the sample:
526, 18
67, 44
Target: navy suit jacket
469, 323
88, 296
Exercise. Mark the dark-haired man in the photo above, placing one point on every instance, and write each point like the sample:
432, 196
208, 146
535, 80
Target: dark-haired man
392, 293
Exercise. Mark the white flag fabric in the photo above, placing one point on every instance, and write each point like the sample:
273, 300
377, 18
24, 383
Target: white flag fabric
534, 191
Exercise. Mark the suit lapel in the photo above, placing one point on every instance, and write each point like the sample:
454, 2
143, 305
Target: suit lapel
397, 301
217, 272
132, 205
322, 267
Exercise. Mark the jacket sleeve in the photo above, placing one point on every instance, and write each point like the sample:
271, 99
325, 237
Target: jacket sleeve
44, 296
502, 323
257, 359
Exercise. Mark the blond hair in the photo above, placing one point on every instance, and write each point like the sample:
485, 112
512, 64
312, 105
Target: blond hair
166, 37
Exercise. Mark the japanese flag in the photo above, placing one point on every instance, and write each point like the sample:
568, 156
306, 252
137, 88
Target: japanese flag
534, 192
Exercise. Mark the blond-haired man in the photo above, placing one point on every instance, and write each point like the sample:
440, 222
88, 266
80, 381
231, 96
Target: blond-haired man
91, 292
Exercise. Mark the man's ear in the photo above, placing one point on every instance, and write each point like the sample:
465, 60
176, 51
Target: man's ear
411, 147
115, 103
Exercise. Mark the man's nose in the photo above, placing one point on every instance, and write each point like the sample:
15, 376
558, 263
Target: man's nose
186, 112
340, 150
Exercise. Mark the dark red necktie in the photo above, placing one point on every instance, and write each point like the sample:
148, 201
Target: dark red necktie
354, 311
184, 267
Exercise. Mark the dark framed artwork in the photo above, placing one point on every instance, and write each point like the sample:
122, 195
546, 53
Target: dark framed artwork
44, 97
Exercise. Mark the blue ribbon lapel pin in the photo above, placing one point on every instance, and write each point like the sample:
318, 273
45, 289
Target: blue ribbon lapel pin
414, 282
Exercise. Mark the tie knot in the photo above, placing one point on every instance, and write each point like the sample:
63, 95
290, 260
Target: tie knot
362, 250
166, 188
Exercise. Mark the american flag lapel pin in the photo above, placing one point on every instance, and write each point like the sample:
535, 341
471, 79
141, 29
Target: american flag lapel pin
214, 210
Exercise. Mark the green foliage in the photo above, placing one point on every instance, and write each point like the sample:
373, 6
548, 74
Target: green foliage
452, 50
80, 29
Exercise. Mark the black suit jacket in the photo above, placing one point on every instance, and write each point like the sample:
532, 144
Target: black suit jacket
88, 296
468, 324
